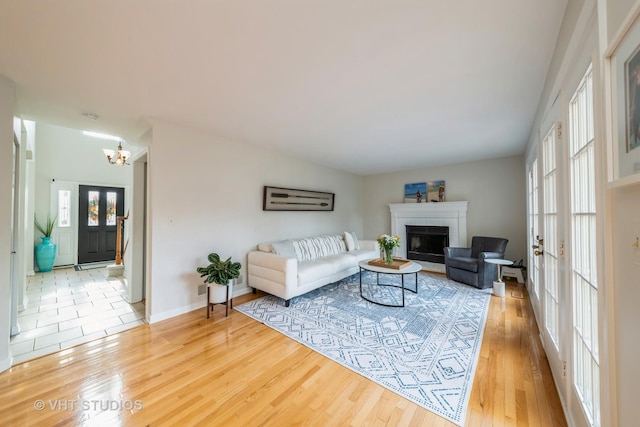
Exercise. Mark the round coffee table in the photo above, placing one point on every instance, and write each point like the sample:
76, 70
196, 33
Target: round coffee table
412, 268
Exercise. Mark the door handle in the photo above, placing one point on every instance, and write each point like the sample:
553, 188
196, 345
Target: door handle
535, 246
538, 253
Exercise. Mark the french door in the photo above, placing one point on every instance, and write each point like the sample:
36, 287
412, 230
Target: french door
550, 249
562, 254
98, 210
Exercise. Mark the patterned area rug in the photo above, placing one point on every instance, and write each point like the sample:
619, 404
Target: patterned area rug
426, 351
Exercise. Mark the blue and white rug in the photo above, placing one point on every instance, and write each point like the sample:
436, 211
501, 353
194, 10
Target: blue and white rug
426, 351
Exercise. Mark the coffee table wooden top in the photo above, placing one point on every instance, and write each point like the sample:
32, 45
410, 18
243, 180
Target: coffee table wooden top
413, 267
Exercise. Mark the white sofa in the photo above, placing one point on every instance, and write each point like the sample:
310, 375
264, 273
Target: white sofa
290, 268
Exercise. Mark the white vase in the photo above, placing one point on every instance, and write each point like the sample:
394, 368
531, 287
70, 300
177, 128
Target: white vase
218, 293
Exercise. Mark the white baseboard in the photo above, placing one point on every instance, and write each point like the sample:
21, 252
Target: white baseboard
6, 363
153, 318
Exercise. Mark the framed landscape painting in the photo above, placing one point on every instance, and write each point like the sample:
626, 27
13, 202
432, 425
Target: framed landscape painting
415, 193
435, 191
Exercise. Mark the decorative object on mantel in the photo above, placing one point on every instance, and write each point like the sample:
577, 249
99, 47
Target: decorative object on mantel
622, 64
415, 193
435, 191
388, 244
289, 199
219, 277
46, 251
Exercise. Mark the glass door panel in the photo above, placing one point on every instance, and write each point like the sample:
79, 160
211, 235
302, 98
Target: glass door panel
551, 232
583, 269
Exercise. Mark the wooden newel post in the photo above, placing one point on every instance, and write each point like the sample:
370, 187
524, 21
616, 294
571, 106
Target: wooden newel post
120, 221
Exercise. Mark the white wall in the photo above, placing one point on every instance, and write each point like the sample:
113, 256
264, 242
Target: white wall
69, 155
211, 189
625, 223
494, 189
7, 99
626, 229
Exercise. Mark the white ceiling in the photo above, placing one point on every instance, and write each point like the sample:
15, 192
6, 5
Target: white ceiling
365, 86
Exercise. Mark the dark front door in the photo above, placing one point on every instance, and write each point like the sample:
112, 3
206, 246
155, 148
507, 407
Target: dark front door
98, 209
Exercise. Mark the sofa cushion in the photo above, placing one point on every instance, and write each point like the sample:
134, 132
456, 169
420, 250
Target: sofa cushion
284, 248
318, 246
265, 247
311, 270
362, 255
340, 262
351, 241
468, 264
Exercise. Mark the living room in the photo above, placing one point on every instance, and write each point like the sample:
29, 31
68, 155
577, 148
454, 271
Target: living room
205, 194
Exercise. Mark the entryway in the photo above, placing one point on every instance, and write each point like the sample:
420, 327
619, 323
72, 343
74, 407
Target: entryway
68, 307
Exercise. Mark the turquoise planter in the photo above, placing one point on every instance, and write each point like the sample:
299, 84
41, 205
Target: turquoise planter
45, 254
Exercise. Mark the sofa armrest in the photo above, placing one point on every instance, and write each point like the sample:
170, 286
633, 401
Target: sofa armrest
489, 255
271, 261
267, 271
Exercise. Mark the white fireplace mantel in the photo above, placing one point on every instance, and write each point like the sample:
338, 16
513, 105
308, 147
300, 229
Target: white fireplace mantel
443, 214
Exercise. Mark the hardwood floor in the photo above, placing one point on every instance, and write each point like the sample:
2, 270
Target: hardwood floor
235, 371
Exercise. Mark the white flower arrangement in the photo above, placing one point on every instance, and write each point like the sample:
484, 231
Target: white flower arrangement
388, 242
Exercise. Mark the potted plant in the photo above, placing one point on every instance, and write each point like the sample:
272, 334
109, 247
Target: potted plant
218, 276
46, 250
388, 244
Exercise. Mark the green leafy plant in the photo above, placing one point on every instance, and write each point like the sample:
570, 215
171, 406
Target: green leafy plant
218, 271
48, 227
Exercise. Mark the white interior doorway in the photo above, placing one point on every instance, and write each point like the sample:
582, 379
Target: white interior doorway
138, 276
15, 276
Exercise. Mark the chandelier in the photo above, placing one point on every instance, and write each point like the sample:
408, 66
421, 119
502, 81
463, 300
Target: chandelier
117, 158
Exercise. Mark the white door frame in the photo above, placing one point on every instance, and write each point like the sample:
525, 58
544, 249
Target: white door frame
16, 275
138, 230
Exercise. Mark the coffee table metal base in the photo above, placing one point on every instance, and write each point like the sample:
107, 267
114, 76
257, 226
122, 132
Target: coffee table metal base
415, 291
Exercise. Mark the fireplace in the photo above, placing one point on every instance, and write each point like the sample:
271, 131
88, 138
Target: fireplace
427, 243
442, 214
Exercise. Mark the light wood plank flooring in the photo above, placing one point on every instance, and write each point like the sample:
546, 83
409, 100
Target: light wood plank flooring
235, 371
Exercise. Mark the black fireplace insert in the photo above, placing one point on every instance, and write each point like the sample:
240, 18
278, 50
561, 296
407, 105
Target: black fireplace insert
427, 243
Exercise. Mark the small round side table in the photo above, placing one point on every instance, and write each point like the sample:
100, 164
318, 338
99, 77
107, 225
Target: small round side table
498, 285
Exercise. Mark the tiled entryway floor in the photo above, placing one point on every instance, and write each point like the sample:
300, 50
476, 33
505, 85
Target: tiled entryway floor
67, 307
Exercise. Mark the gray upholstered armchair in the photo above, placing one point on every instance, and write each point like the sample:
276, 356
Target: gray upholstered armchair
467, 265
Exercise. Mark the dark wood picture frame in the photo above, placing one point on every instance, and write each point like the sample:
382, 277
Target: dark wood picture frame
289, 199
